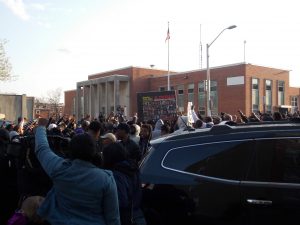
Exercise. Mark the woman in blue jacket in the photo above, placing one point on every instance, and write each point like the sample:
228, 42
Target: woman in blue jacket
81, 193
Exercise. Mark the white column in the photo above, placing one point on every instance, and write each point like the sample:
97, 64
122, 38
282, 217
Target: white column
85, 101
94, 101
107, 112
77, 102
116, 94
99, 88
90, 100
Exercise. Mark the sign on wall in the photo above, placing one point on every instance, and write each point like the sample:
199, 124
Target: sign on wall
235, 80
156, 105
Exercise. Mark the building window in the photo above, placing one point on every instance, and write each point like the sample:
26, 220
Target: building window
191, 93
294, 104
214, 97
268, 97
180, 97
255, 95
280, 92
162, 88
165, 88
201, 97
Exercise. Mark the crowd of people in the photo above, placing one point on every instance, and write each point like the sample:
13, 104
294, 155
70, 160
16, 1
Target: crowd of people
96, 181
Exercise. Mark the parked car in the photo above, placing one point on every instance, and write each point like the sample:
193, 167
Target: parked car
247, 174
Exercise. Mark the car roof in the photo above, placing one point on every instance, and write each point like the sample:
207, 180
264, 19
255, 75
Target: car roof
226, 129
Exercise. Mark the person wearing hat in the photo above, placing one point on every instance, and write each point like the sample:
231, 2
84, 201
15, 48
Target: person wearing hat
135, 133
132, 149
108, 139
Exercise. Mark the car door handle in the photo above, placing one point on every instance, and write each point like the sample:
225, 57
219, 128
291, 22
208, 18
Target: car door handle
259, 202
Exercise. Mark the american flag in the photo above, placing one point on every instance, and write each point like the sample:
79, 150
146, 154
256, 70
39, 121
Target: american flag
168, 35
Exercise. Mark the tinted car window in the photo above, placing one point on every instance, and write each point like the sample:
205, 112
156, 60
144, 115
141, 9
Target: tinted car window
276, 160
227, 160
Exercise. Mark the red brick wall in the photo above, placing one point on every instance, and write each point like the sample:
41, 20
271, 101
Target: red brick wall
265, 73
139, 82
293, 91
230, 98
180, 79
227, 96
69, 95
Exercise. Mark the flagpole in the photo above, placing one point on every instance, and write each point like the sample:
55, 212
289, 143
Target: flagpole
244, 51
200, 49
168, 60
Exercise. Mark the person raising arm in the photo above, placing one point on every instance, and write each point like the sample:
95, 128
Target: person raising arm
81, 192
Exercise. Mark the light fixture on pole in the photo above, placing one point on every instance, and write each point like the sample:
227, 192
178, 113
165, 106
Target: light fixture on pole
208, 109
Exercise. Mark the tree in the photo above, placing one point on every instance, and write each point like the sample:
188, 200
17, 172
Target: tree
50, 103
53, 98
5, 65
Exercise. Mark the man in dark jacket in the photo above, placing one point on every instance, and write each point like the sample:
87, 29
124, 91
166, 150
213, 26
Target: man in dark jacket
132, 149
8, 187
145, 137
126, 174
94, 131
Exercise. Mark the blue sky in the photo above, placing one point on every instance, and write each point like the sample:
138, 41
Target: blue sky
56, 43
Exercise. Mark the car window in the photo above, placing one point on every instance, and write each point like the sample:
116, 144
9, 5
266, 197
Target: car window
226, 160
276, 160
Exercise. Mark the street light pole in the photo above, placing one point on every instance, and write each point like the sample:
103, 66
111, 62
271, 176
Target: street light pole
208, 110
208, 101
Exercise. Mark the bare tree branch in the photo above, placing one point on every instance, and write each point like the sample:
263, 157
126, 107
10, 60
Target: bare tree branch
53, 98
5, 65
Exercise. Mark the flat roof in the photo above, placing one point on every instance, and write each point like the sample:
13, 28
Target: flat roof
199, 70
7, 94
110, 71
70, 90
124, 68
185, 72
219, 67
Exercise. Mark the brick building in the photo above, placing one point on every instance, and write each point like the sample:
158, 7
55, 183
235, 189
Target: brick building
105, 92
238, 86
47, 110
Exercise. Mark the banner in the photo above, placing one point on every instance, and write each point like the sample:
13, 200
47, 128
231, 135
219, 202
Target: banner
189, 113
156, 105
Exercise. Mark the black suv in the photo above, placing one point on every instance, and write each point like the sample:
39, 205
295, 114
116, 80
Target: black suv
246, 174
